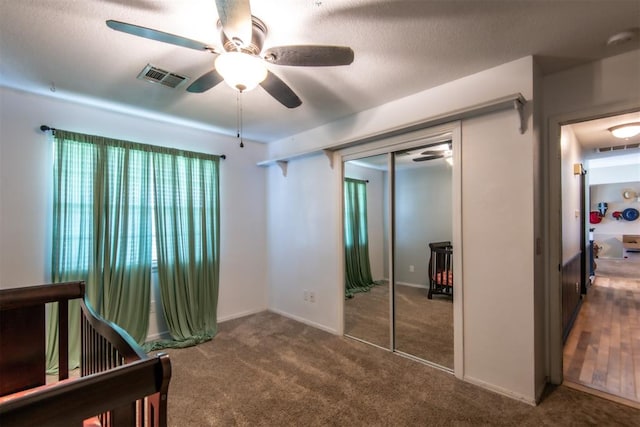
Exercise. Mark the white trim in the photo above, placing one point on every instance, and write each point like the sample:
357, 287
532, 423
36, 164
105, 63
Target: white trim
305, 321
413, 285
240, 314
500, 390
164, 335
457, 241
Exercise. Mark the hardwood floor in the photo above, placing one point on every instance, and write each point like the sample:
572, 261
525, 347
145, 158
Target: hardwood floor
602, 351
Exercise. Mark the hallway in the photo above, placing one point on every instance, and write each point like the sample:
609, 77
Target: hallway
602, 351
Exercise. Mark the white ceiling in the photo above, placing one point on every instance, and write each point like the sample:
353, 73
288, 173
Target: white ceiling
594, 134
401, 47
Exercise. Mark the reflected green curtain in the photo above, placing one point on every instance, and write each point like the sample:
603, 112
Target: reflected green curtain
101, 232
356, 241
187, 210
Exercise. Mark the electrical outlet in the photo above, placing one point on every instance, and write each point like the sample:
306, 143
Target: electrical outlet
306, 295
312, 296
577, 287
411, 269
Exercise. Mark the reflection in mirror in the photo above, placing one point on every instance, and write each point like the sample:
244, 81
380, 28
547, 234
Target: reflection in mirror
365, 218
423, 216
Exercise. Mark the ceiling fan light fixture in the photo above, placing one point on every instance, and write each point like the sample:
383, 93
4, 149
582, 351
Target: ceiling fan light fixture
626, 130
240, 70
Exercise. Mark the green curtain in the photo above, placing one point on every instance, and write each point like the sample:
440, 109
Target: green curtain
101, 232
356, 241
187, 240
72, 234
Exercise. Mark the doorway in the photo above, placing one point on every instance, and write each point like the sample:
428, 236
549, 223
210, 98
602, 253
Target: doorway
410, 203
600, 352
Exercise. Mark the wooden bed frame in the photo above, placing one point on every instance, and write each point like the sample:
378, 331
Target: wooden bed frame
440, 269
119, 384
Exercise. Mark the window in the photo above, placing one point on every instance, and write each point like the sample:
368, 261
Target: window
120, 206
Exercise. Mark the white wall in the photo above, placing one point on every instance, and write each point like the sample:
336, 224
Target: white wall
608, 233
498, 258
423, 215
615, 174
571, 231
498, 223
304, 228
25, 192
611, 81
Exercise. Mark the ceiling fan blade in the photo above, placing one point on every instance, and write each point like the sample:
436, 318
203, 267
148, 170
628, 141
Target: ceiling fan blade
160, 36
205, 82
280, 91
434, 153
235, 17
423, 159
309, 55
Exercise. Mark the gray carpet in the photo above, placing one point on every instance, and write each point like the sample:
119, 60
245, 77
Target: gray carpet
267, 370
424, 327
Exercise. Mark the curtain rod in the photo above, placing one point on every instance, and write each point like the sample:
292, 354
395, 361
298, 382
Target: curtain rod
45, 128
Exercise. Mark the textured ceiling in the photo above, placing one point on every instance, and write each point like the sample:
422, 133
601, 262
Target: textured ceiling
401, 47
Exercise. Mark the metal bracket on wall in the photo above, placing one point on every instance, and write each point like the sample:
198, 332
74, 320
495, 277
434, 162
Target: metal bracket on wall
518, 104
329, 154
283, 165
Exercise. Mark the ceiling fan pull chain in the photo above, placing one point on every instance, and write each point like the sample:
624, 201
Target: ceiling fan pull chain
239, 117
241, 121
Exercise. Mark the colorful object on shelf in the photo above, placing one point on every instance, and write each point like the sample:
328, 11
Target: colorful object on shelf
602, 208
617, 215
630, 214
595, 217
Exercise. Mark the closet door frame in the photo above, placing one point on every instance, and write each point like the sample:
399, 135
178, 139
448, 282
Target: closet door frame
403, 142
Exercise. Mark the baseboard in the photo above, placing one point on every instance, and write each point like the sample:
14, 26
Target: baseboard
162, 335
541, 388
305, 321
239, 315
500, 390
413, 285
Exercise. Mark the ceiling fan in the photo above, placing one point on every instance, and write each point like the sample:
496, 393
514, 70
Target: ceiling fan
438, 151
241, 62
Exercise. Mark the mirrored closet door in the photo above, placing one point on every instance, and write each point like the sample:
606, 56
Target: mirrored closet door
398, 251
367, 304
423, 233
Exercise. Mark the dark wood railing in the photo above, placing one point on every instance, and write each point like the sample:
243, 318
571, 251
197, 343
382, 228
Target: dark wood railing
119, 383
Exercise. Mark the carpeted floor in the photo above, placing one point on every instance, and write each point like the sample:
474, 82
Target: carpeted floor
268, 370
424, 327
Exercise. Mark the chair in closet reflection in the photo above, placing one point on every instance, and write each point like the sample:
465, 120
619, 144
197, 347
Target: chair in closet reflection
440, 269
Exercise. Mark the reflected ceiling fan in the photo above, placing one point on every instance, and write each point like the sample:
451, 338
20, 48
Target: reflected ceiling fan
437, 151
241, 62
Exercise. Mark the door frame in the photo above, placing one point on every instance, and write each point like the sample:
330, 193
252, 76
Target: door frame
553, 224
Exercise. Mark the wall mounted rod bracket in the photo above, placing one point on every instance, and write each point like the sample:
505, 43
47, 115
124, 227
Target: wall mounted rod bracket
329, 154
283, 165
518, 104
